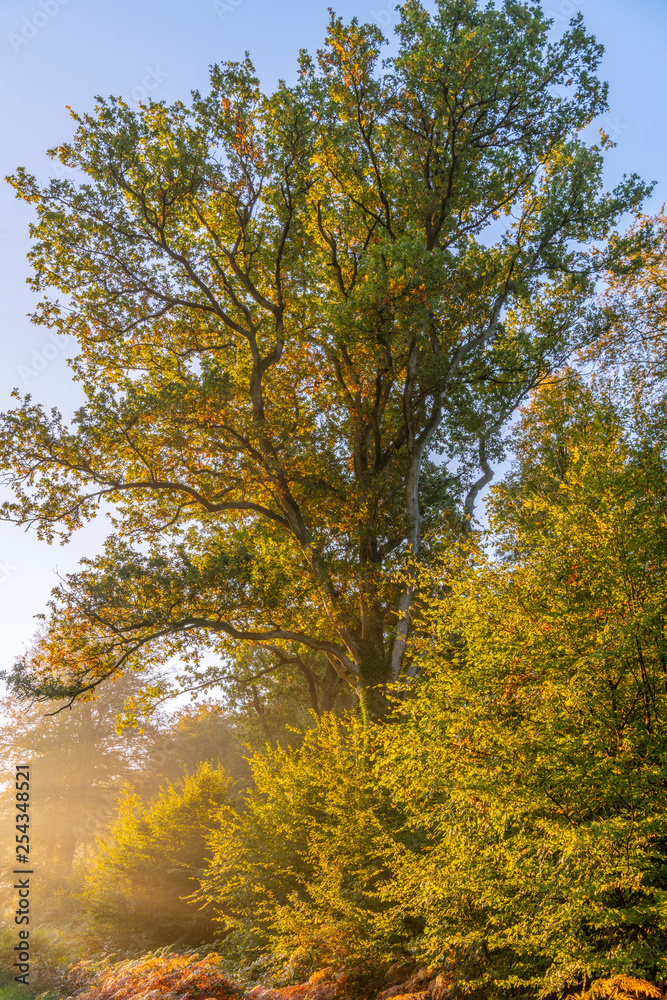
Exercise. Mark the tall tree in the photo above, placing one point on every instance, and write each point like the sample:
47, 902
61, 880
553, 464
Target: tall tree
303, 320
636, 303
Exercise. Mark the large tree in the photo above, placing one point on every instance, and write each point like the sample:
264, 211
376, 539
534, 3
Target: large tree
303, 321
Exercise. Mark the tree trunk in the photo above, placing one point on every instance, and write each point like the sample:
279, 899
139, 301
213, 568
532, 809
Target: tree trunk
374, 675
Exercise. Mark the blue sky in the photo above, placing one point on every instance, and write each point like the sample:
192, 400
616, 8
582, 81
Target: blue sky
54, 54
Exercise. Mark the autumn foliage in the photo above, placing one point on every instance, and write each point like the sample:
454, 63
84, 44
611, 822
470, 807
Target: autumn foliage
305, 322
165, 975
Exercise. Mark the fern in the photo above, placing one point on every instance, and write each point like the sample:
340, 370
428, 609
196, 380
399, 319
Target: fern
619, 988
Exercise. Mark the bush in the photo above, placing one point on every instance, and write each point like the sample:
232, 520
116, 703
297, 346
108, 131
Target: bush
139, 879
301, 872
535, 754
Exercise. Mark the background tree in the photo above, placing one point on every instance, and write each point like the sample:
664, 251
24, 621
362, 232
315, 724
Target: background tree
80, 764
635, 299
204, 732
303, 320
81, 761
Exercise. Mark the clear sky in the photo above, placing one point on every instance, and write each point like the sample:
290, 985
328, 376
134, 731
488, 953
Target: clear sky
55, 53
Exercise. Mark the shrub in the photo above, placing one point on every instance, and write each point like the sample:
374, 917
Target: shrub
301, 872
141, 876
534, 756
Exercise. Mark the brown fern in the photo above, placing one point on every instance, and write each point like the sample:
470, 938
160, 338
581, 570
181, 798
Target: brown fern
620, 988
164, 975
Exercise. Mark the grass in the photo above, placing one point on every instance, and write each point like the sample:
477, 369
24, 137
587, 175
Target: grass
14, 991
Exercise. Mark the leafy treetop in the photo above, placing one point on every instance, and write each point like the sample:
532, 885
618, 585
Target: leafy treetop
303, 319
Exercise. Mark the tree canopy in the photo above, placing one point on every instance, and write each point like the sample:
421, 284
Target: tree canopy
303, 321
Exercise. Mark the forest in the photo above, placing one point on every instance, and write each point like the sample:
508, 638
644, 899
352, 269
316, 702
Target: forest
363, 697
